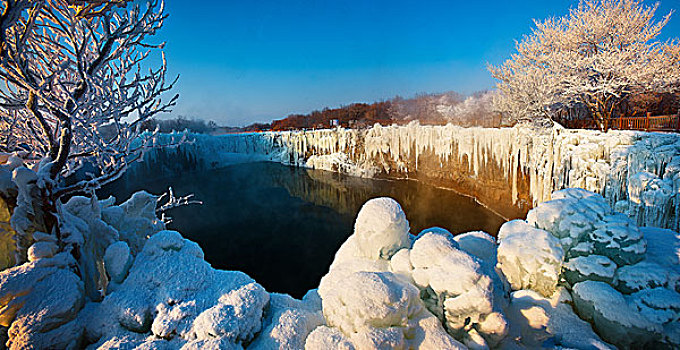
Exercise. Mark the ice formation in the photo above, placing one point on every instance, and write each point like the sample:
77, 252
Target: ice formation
394, 289
530, 258
638, 173
118, 279
629, 295
540, 322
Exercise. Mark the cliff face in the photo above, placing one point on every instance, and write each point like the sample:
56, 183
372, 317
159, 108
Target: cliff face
508, 169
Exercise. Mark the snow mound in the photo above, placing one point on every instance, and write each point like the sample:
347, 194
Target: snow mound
663, 247
530, 258
455, 287
659, 305
377, 310
646, 275
117, 261
479, 244
370, 299
540, 322
173, 294
39, 302
289, 322
381, 228
619, 239
612, 317
591, 267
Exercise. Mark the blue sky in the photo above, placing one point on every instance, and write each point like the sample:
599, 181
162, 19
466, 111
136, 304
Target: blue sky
252, 61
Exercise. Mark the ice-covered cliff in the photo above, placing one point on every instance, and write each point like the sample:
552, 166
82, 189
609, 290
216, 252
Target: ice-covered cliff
508, 169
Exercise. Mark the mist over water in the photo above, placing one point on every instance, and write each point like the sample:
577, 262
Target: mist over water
282, 225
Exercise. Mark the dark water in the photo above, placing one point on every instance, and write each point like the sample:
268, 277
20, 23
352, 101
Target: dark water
283, 225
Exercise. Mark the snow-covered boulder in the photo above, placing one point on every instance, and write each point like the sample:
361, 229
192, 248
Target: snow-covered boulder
646, 275
289, 321
370, 299
619, 239
42, 249
611, 315
479, 244
39, 302
659, 305
117, 261
663, 247
540, 322
530, 258
324, 337
381, 228
173, 294
378, 310
570, 216
585, 225
456, 288
591, 267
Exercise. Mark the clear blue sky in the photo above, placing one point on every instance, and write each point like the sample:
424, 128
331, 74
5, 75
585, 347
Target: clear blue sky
246, 61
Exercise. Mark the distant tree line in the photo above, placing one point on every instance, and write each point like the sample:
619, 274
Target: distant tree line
432, 109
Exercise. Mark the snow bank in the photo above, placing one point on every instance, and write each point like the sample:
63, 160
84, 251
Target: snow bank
173, 294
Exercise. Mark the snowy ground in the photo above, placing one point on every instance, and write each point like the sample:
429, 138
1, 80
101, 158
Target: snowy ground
638, 173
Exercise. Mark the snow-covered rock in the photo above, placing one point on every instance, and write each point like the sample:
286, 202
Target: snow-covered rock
377, 310
613, 318
646, 275
381, 228
530, 258
456, 288
540, 322
591, 267
117, 261
619, 239
40, 250
659, 305
479, 244
173, 294
39, 302
663, 247
289, 321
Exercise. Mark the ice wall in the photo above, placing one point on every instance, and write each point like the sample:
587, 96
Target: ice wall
637, 172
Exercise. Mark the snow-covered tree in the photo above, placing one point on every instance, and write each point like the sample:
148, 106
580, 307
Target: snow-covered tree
78, 79
78, 83
599, 53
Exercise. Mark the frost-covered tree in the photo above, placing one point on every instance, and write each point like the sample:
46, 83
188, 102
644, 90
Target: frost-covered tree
599, 53
78, 83
78, 79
